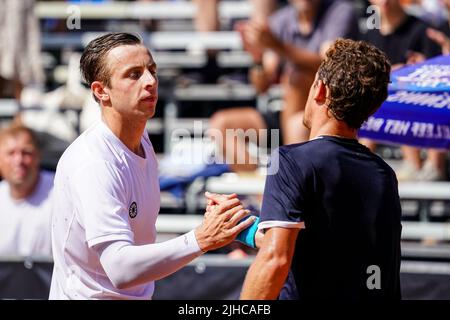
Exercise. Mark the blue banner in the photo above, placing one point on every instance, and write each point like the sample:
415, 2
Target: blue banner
417, 111
432, 75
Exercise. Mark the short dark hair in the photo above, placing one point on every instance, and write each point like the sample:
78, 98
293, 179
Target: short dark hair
93, 60
357, 75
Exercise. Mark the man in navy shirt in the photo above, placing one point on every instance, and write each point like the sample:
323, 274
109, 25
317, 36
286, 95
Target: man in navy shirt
331, 212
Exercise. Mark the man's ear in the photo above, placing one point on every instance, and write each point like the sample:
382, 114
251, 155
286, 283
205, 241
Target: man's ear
100, 91
320, 93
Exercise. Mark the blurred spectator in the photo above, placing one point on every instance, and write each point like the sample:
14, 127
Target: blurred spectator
25, 195
403, 38
442, 34
293, 40
20, 62
431, 11
207, 19
207, 16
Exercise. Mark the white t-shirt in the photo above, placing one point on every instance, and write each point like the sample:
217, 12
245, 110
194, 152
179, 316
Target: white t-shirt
25, 225
103, 192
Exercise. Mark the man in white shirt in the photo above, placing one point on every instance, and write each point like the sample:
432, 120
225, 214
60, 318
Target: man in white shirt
25, 194
107, 193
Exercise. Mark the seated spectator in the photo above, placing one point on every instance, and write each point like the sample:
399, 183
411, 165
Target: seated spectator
403, 38
293, 40
20, 60
442, 34
25, 196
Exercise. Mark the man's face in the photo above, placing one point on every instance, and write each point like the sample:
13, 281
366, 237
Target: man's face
19, 160
310, 104
133, 88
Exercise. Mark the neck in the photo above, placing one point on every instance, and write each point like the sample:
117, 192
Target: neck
127, 130
333, 128
20, 192
391, 20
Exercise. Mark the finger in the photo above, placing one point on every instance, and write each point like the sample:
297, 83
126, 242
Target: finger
224, 206
259, 23
240, 25
211, 195
243, 225
219, 198
252, 37
414, 57
230, 196
241, 214
213, 207
234, 211
214, 198
261, 28
436, 36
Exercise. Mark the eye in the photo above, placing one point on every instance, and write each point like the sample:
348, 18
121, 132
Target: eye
28, 152
135, 74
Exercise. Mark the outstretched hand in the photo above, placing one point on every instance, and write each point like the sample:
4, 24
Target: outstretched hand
221, 223
215, 199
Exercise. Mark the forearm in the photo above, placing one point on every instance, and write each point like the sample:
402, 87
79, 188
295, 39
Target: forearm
259, 79
262, 9
265, 278
127, 265
270, 269
302, 58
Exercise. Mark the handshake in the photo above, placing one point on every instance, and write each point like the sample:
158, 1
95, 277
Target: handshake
226, 220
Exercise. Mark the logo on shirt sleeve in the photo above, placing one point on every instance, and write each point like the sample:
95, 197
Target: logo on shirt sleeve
133, 210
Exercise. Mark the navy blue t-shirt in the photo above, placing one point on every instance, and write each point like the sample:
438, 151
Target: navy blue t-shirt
347, 198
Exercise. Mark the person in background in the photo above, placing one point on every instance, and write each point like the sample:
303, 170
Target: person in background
20, 47
404, 39
25, 195
293, 40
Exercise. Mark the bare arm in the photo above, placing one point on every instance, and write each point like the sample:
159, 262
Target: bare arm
259, 35
262, 9
302, 58
264, 72
269, 271
265, 75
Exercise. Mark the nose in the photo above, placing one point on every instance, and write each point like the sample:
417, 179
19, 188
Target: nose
18, 158
149, 79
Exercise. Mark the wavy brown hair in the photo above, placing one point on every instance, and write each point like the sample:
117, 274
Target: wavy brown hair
357, 75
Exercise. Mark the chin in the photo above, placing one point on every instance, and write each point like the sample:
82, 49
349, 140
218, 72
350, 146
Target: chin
151, 110
148, 109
